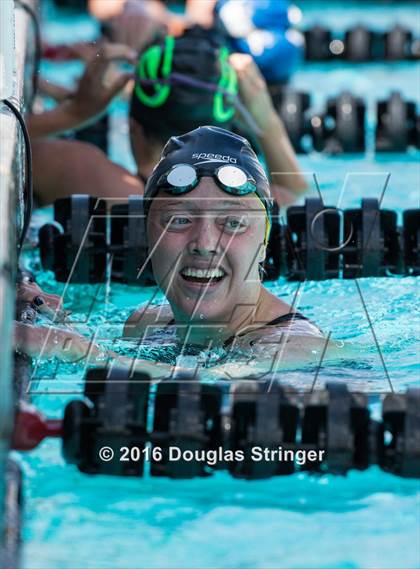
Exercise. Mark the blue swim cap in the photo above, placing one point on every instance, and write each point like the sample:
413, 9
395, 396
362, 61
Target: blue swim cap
262, 29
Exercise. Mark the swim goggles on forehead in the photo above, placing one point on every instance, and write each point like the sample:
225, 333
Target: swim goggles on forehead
183, 178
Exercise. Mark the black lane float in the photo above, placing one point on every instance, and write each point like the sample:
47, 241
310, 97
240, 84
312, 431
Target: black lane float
340, 126
360, 44
317, 242
252, 428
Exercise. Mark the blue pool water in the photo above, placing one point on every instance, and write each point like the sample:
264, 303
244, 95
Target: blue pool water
365, 520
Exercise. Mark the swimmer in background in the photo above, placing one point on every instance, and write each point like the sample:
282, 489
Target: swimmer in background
62, 168
208, 222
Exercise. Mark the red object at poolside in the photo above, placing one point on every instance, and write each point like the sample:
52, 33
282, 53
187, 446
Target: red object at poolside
31, 428
57, 53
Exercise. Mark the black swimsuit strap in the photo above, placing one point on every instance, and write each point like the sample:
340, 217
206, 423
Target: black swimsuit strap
283, 318
279, 320
286, 318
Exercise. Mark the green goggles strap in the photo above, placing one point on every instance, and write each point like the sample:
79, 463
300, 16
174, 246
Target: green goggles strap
228, 82
148, 68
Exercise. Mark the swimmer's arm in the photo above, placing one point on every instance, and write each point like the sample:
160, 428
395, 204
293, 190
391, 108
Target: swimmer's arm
62, 168
53, 90
48, 342
287, 179
54, 121
67, 345
92, 96
293, 352
155, 370
138, 322
104, 10
201, 12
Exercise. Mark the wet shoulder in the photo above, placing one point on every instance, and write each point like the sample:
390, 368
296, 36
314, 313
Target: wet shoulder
294, 329
147, 316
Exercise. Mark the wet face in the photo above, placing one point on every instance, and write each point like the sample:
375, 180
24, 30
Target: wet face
206, 246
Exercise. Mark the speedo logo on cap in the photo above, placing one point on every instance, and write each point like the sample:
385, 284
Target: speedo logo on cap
208, 157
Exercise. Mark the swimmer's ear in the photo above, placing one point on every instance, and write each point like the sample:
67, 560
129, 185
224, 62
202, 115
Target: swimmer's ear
262, 253
261, 271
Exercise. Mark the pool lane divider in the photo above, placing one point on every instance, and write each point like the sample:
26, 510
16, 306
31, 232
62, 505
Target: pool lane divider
317, 242
251, 428
359, 44
340, 126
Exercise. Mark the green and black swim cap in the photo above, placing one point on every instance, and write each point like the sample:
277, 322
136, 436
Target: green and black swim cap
209, 151
168, 99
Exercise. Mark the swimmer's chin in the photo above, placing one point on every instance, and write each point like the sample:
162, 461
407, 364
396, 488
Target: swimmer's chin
209, 317
205, 318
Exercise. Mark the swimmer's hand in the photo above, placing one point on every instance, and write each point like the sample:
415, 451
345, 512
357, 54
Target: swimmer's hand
53, 90
253, 90
96, 90
49, 305
97, 87
82, 50
131, 22
48, 342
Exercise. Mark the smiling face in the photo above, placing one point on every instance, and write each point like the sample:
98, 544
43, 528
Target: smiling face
206, 246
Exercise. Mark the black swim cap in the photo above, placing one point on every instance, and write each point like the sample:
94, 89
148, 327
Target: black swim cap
166, 107
209, 147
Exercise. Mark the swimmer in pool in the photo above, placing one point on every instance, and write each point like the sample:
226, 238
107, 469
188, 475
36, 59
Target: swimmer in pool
208, 206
